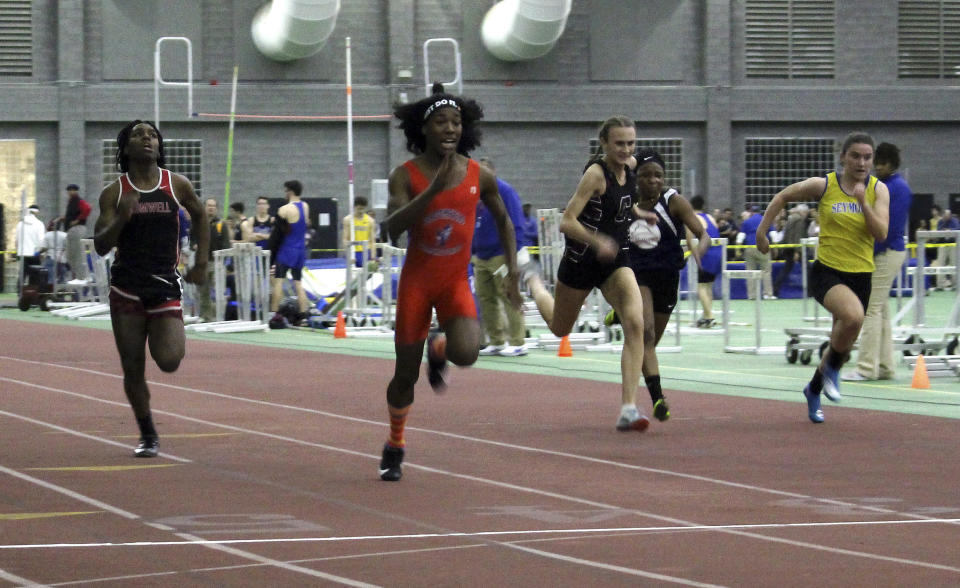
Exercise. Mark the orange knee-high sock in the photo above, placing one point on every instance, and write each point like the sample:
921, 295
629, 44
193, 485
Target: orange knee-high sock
398, 420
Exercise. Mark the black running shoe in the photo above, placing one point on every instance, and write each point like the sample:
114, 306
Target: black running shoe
661, 411
148, 447
391, 469
437, 362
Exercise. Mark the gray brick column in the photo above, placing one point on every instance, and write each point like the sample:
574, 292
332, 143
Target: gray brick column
717, 183
70, 101
402, 52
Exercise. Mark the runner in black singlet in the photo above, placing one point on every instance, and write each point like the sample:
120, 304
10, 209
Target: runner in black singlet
139, 215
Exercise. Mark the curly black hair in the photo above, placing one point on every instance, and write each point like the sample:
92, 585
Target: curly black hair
412, 116
123, 162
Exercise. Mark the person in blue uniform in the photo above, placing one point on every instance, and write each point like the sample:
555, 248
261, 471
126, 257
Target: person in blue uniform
711, 264
292, 253
139, 215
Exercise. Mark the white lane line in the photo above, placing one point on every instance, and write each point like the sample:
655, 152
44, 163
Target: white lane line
191, 538
501, 444
536, 491
163, 454
469, 534
17, 580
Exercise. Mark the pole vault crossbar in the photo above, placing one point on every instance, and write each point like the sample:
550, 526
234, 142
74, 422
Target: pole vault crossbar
159, 81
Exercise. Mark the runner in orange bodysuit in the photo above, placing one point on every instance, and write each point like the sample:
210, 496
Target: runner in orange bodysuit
434, 196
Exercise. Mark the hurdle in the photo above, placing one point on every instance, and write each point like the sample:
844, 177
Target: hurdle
251, 275
806, 244
921, 271
358, 298
693, 283
550, 244
92, 293
366, 314
756, 348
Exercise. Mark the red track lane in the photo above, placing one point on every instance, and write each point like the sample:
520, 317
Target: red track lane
279, 449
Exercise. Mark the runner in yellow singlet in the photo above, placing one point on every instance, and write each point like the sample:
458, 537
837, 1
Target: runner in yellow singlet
853, 209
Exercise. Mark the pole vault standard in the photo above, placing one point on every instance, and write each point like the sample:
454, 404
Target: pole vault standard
233, 112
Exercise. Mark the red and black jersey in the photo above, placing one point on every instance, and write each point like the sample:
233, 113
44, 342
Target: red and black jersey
149, 242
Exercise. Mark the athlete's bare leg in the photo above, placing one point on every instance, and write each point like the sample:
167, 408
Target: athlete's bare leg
623, 294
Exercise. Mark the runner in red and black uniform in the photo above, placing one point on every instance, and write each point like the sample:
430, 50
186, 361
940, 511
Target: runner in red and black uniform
434, 196
139, 215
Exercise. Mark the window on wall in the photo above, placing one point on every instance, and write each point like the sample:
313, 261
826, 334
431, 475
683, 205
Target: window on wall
790, 39
16, 38
772, 164
670, 149
928, 39
183, 156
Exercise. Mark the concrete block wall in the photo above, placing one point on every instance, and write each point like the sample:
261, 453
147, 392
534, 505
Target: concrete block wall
540, 116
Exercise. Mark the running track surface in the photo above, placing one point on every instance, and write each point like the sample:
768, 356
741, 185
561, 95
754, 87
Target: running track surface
268, 476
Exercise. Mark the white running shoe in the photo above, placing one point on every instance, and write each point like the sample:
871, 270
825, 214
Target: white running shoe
491, 350
513, 351
632, 420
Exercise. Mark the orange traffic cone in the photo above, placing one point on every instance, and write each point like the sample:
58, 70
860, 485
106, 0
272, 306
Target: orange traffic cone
920, 377
565, 350
340, 331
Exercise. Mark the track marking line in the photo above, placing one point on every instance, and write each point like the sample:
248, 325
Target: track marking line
535, 491
182, 435
185, 536
25, 516
60, 429
572, 532
106, 468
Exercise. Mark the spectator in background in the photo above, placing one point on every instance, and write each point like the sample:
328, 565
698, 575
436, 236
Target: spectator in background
813, 223
29, 236
235, 219
489, 274
219, 239
946, 256
531, 230
936, 213
727, 227
875, 357
185, 224
53, 249
754, 258
711, 264
75, 222
794, 230
256, 229
364, 230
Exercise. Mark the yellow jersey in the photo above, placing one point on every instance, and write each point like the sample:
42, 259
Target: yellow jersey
846, 244
361, 229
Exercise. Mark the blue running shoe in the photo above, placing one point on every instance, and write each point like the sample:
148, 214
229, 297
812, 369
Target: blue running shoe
831, 383
813, 405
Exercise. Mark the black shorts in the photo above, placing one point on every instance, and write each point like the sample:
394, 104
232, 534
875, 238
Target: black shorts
587, 273
821, 278
705, 277
663, 285
280, 271
145, 295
